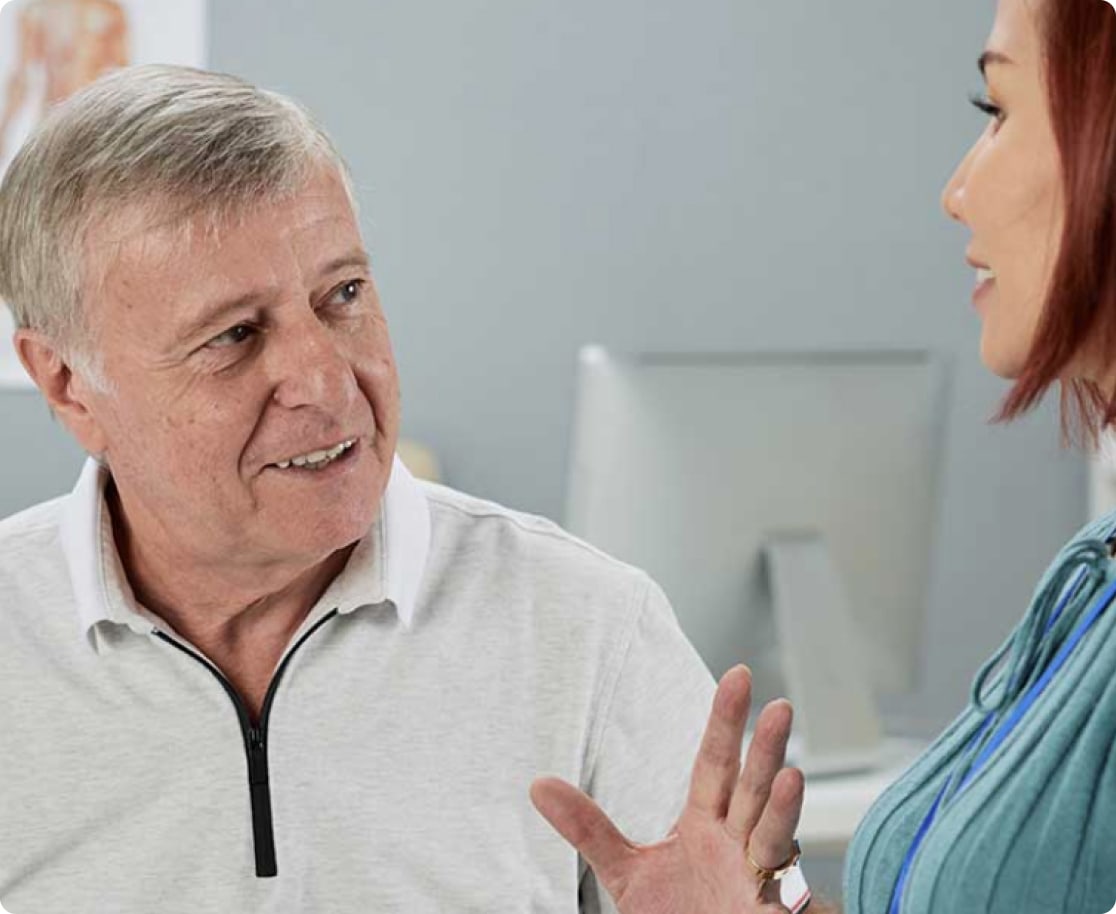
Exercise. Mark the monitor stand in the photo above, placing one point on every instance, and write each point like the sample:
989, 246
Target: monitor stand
837, 724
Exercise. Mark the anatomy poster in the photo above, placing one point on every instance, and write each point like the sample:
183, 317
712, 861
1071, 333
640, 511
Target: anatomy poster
51, 48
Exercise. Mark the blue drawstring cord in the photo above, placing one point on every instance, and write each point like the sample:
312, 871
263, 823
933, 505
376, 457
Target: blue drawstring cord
1056, 609
1044, 627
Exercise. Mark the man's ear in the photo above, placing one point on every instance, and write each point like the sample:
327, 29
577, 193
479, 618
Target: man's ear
67, 394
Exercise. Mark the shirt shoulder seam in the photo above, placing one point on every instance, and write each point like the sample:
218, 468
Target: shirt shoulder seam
515, 519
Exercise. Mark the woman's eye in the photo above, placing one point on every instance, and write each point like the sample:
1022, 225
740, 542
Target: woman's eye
234, 336
987, 107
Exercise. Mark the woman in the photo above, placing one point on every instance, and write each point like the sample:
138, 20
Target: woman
1013, 809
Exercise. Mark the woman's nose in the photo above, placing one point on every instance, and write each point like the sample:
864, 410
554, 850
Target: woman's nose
953, 195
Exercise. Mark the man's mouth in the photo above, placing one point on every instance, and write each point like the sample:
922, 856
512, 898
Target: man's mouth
317, 460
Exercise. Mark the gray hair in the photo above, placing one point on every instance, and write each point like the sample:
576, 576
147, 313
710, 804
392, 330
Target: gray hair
195, 141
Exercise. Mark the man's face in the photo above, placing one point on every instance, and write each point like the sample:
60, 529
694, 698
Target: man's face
231, 353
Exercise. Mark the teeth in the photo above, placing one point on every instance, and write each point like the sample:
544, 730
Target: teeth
984, 274
317, 459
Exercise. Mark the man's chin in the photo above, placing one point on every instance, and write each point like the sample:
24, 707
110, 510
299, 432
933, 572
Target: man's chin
340, 529
312, 544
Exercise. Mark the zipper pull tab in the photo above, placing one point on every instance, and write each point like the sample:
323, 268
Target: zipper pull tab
257, 757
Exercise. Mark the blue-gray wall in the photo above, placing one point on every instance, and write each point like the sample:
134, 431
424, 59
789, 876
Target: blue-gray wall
710, 174
651, 175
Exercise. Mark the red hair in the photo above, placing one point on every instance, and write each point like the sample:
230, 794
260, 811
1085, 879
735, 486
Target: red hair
1078, 39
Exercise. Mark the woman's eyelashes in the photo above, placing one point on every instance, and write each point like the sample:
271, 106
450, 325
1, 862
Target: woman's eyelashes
985, 105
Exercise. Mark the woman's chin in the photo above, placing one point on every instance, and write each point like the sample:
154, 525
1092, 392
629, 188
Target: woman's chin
1004, 363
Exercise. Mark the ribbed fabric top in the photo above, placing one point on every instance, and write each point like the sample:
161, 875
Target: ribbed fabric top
1032, 830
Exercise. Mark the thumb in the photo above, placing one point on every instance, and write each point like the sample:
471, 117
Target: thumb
584, 825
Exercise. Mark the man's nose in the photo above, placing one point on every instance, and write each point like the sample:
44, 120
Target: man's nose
309, 366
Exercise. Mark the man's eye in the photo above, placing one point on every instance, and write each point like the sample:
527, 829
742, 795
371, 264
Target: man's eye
348, 292
234, 336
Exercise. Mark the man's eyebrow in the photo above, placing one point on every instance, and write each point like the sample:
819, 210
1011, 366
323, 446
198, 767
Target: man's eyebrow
354, 258
991, 57
213, 317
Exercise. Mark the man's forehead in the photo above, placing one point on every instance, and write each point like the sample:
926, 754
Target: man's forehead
179, 270
162, 236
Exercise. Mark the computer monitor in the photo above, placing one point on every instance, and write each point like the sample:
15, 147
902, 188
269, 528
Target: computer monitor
785, 502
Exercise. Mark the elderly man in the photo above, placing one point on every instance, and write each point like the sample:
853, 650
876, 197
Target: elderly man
249, 663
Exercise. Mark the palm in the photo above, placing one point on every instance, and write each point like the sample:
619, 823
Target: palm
695, 870
700, 867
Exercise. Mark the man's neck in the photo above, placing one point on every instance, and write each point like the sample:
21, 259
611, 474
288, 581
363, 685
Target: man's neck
242, 627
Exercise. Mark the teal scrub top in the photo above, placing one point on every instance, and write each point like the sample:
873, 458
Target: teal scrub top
1034, 831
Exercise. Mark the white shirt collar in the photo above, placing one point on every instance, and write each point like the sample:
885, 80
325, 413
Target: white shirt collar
386, 565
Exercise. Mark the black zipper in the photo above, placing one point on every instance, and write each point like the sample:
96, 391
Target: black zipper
255, 747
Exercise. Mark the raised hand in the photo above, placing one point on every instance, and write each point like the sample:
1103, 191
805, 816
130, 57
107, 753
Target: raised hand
701, 866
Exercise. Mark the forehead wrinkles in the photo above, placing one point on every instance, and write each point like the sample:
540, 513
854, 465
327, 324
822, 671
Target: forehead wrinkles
162, 235
155, 236
119, 245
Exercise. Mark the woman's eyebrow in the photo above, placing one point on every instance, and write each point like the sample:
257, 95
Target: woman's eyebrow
991, 57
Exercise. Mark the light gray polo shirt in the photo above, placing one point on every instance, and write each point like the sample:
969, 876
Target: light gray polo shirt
464, 650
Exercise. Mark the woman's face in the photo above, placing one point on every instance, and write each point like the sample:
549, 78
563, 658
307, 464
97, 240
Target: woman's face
1008, 192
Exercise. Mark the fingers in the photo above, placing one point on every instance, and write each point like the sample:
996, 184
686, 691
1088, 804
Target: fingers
766, 756
584, 825
718, 760
771, 843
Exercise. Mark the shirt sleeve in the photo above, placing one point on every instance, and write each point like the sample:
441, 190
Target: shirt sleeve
652, 723
649, 732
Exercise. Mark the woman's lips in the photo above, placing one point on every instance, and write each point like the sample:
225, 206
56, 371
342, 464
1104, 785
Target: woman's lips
981, 291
